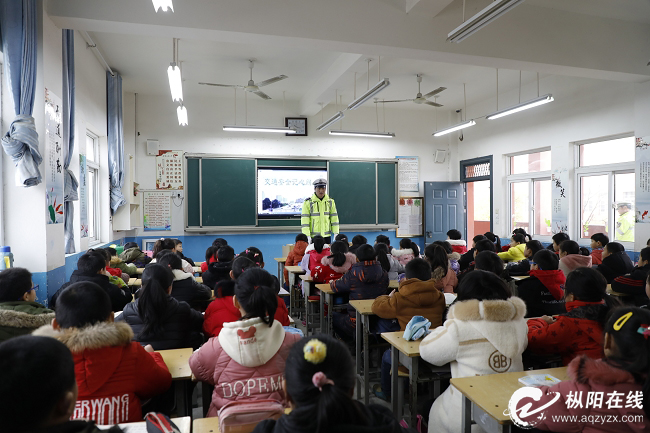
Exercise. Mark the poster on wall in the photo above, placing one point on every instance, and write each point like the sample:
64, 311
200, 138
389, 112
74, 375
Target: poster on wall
157, 212
83, 198
53, 159
409, 217
560, 211
642, 177
408, 173
169, 170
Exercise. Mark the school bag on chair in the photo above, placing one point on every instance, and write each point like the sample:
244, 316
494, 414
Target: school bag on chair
243, 416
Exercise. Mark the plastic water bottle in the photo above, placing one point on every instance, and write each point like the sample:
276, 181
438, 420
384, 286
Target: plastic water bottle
6, 258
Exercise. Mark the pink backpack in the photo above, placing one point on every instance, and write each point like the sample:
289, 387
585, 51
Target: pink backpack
243, 416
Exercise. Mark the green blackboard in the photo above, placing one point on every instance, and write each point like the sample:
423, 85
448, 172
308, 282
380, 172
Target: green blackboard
352, 185
193, 202
228, 188
386, 193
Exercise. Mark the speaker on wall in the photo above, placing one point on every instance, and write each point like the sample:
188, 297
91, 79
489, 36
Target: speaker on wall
152, 147
440, 156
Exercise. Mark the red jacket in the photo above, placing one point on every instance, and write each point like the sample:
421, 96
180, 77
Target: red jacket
589, 376
113, 373
204, 265
459, 246
282, 313
295, 257
114, 272
315, 258
576, 332
326, 271
597, 256
220, 311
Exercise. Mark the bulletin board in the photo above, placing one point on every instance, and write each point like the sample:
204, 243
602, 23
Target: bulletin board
410, 217
157, 210
169, 169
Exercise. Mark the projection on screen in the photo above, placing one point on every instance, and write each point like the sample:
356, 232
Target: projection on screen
281, 191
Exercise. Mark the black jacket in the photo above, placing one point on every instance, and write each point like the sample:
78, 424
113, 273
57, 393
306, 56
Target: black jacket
187, 289
466, 259
187, 259
615, 265
119, 297
182, 326
633, 284
216, 272
302, 420
518, 268
538, 299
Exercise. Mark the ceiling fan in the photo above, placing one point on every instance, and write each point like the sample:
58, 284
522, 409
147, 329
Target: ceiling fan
420, 99
252, 86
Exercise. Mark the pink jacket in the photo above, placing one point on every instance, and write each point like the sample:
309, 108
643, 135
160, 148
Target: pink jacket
245, 362
590, 375
447, 283
572, 261
403, 256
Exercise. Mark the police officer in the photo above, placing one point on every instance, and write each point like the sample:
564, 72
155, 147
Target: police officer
624, 223
319, 216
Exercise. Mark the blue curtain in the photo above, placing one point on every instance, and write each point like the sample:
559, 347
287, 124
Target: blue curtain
18, 30
70, 181
115, 139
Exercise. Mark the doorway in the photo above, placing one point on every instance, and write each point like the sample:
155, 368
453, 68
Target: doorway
476, 174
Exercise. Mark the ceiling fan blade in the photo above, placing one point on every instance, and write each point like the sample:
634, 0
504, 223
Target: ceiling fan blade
223, 85
434, 104
262, 95
399, 100
434, 92
271, 80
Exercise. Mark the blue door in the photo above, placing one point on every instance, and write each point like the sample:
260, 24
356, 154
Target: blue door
444, 209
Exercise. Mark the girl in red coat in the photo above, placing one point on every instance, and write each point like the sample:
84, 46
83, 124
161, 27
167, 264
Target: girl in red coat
335, 265
579, 331
621, 378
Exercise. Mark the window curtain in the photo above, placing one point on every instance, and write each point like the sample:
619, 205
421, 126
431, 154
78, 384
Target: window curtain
18, 30
70, 181
115, 139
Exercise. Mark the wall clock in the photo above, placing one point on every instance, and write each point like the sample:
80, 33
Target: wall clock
300, 123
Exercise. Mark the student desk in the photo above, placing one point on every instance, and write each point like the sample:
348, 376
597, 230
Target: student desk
281, 261
489, 395
184, 424
308, 285
326, 298
211, 425
393, 284
613, 293
520, 277
199, 279
134, 282
364, 311
139, 271
294, 303
197, 269
177, 361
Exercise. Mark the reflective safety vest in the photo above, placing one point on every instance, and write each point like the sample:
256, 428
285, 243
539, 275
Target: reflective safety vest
319, 217
625, 227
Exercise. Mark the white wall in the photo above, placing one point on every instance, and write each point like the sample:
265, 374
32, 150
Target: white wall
156, 119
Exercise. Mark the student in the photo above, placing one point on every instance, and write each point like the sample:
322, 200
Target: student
489, 261
115, 276
365, 280
484, 333
468, 257
178, 249
558, 238
254, 254
91, 267
634, 283
388, 263
335, 265
482, 245
39, 370
296, 254
615, 263
579, 330
522, 231
453, 256
445, 279
523, 267
497, 241
454, 237
113, 373
133, 255
320, 384
408, 250
598, 242
622, 373
359, 240
219, 270
516, 251
383, 239
343, 238
211, 252
19, 312
314, 254
250, 352
571, 257
159, 319
417, 296
168, 244
117, 263
543, 292
184, 288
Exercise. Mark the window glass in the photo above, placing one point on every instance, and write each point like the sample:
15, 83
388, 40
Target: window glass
542, 209
530, 162
92, 200
520, 206
90, 148
594, 205
607, 152
624, 199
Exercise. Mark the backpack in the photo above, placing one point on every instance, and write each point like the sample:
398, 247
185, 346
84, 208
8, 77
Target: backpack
243, 416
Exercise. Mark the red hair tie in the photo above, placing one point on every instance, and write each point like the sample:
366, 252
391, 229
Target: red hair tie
319, 380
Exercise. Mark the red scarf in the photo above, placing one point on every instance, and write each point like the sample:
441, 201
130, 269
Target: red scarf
552, 280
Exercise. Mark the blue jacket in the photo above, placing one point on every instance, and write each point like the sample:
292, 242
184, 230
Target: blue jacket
364, 280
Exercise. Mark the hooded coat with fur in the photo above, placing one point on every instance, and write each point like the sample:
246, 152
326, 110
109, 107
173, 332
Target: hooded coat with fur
326, 271
447, 282
245, 362
458, 245
414, 298
573, 261
113, 373
403, 255
478, 338
22, 317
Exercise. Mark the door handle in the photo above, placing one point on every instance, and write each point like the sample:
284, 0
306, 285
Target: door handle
429, 234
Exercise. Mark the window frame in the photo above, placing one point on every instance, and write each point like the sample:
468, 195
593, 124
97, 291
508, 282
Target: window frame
610, 170
530, 178
93, 165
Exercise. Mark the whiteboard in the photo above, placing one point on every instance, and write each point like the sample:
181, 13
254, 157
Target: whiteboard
410, 217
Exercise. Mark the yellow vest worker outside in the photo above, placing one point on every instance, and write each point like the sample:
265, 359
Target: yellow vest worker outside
625, 224
319, 215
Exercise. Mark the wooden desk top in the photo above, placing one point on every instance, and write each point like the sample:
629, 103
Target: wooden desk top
396, 339
493, 391
139, 271
324, 287
197, 269
613, 293
305, 278
363, 306
199, 279
184, 424
294, 269
280, 259
211, 425
520, 277
198, 264
177, 361
135, 282
393, 284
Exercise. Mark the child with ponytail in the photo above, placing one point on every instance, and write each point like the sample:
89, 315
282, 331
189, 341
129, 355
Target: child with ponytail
408, 250
622, 378
246, 361
320, 381
441, 272
389, 263
335, 265
314, 253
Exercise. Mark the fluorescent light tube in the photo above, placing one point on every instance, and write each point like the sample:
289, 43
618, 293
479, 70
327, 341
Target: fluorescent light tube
363, 133
481, 19
181, 112
175, 82
369, 94
282, 129
163, 5
338, 116
521, 107
455, 128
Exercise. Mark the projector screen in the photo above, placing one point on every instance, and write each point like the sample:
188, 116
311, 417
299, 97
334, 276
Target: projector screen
282, 191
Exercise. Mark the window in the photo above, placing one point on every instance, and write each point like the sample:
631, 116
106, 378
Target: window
529, 182
605, 175
92, 161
